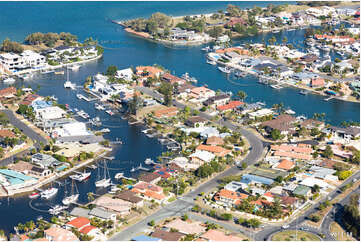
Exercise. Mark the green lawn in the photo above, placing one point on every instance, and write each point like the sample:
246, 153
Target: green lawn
290, 235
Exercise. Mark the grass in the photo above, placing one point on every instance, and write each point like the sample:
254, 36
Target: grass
339, 233
290, 235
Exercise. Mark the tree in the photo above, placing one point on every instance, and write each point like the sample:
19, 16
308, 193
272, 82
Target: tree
167, 90
233, 10
328, 153
272, 40
314, 218
242, 95
275, 134
151, 223
185, 217
215, 32
111, 71
315, 132
244, 165
226, 216
11, 46
279, 179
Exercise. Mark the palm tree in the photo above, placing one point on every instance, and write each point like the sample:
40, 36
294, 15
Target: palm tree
284, 40
242, 95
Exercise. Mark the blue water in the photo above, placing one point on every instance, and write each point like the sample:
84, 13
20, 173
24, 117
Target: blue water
93, 19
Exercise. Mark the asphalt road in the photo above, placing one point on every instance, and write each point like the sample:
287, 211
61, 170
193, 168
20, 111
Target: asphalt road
37, 138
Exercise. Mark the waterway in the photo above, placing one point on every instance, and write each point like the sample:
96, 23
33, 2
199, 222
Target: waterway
86, 19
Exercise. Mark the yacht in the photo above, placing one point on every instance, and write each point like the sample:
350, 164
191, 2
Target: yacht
68, 84
324, 48
34, 195
73, 67
99, 106
70, 199
45, 71
290, 111
56, 209
211, 62
149, 161
9, 80
105, 181
48, 193
275, 31
276, 87
106, 130
59, 73
303, 92
81, 177
119, 175
114, 189
26, 76
216, 47
207, 48
225, 69
186, 77
240, 74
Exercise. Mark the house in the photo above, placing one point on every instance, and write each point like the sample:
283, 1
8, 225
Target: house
345, 133
21, 166
233, 186
166, 112
285, 165
59, 234
152, 178
118, 206
8, 92
103, 214
283, 123
30, 98
148, 71
233, 21
200, 157
183, 90
93, 232
302, 190
229, 198
49, 113
5, 133
39, 171
149, 191
11, 61
201, 93
249, 107
196, 121
214, 140
232, 105
131, 197
216, 150
44, 160
287, 201
254, 179
33, 59
167, 235
312, 123
126, 74
260, 113
292, 151
217, 235
184, 163
186, 227
12, 181
318, 82
77, 223
167, 77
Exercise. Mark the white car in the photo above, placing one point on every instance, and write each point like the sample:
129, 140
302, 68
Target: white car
286, 226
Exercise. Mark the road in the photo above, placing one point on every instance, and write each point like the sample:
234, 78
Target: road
185, 203
29, 132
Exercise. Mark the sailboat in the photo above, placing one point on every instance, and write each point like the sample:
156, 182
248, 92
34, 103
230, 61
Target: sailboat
105, 182
74, 195
68, 84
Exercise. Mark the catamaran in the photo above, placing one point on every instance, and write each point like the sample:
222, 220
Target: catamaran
105, 182
74, 195
48, 193
68, 84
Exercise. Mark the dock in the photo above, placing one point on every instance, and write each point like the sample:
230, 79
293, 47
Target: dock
81, 96
109, 157
329, 98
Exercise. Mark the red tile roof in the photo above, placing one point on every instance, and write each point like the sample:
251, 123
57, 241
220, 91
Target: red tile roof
87, 229
7, 91
79, 222
216, 150
286, 164
6, 133
231, 105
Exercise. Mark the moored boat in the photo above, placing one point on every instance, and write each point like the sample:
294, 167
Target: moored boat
34, 195
48, 193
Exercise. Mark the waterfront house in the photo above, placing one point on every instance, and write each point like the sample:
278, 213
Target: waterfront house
167, 77
126, 74
148, 71
312, 123
216, 150
21, 166
217, 100
283, 123
11, 181
249, 107
182, 91
77, 223
317, 83
196, 121
103, 214
49, 113
344, 133
11, 62
235, 20
167, 235
44, 160
39, 171
201, 93
166, 112
33, 60
59, 234
184, 163
260, 113
8, 92
129, 196
186, 227
149, 177
30, 99
200, 157
232, 105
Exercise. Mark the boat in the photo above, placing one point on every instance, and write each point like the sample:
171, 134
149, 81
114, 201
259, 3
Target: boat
114, 189
74, 195
119, 175
207, 48
48, 193
216, 47
34, 195
225, 69
240, 74
106, 130
290, 111
276, 87
149, 161
26, 76
186, 77
56, 209
109, 112
303, 92
99, 106
68, 84
81, 177
92, 166
211, 62
9, 80
59, 73
83, 114
53, 98
133, 169
47, 71
275, 31
73, 67
105, 181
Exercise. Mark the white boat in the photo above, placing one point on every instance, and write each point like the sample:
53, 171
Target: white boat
53, 98
133, 169
9, 80
225, 69
59, 73
81, 177
79, 96
70, 199
186, 77
119, 175
34, 195
48, 193
149, 161
114, 189
73, 67
109, 112
105, 181
56, 209
68, 84
92, 166
99, 106
26, 76
275, 31
45, 71
290, 111
207, 48
276, 87
106, 130
216, 47
211, 62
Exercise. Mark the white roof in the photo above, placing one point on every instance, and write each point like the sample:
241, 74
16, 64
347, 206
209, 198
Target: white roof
203, 155
9, 55
261, 112
310, 182
125, 72
72, 129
